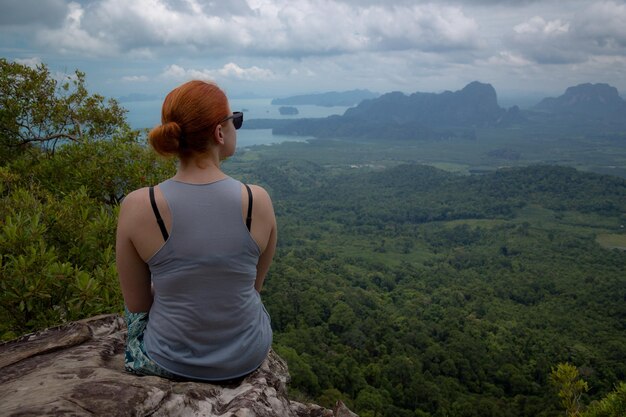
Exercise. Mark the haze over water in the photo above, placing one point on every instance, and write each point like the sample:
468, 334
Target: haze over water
147, 113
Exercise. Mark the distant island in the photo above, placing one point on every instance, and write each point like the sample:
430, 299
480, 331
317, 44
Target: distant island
600, 101
594, 110
329, 99
288, 110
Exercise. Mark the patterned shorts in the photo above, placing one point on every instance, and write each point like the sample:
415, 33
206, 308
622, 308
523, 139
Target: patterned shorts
136, 360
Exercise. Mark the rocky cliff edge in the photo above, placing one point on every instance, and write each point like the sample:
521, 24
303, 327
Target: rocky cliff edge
78, 369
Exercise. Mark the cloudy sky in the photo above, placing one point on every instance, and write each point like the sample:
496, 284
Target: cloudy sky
272, 48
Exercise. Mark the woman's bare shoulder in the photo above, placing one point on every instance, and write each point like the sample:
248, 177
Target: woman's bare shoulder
259, 191
261, 197
134, 199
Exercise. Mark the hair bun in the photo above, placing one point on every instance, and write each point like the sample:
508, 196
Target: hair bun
189, 116
165, 138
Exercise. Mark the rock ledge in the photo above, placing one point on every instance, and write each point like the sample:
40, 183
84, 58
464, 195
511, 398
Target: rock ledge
78, 369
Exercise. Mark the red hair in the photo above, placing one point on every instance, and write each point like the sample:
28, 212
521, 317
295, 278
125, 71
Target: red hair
189, 116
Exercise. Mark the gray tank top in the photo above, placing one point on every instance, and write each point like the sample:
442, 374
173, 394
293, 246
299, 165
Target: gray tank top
207, 320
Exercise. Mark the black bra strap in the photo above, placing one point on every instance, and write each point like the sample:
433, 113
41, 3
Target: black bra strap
158, 215
249, 217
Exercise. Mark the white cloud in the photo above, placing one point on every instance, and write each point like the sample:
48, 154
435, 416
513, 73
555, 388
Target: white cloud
228, 71
510, 59
591, 31
277, 27
175, 72
135, 78
232, 70
327, 27
74, 38
286, 46
539, 26
546, 41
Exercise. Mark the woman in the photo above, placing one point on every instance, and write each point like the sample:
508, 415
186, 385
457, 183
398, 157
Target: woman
192, 252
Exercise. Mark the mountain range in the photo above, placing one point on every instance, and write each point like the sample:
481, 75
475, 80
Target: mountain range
474, 106
591, 108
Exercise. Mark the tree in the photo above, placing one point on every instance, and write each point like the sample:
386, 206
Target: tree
571, 388
370, 402
109, 169
613, 405
38, 109
67, 158
300, 371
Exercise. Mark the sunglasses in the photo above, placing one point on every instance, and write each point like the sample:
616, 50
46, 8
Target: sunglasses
237, 117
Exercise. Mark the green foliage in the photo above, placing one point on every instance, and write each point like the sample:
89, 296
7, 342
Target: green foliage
501, 278
58, 200
571, 387
371, 402
329, 397
613, 405
107, 169
304, 378
35, 108
56, 265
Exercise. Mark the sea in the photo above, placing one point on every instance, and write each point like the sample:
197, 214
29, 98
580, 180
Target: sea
147, 114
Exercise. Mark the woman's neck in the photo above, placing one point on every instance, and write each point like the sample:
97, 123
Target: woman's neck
199, 170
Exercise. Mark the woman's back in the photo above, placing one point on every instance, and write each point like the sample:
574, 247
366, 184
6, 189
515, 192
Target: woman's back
207, 320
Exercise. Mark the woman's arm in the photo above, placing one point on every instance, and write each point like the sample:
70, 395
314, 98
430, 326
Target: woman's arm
265, 260
264, 231
133, 272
